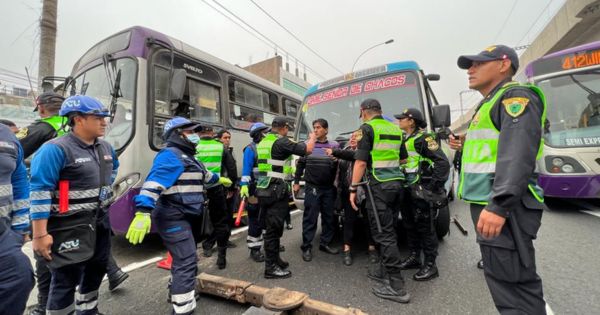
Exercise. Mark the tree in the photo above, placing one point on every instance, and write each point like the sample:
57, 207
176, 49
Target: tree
47, 39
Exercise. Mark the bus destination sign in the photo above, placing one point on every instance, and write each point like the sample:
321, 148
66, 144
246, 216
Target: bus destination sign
368, 86
567, 62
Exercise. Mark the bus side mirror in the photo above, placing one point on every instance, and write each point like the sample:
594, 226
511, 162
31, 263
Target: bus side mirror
432, 77
177, 87
441, 116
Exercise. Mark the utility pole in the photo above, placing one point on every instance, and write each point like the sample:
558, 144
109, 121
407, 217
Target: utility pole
47, 39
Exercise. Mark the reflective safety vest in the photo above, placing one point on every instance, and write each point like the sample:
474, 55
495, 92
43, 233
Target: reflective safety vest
57, 123
267, 166
385, 155
480, 153
210, 153
411, 167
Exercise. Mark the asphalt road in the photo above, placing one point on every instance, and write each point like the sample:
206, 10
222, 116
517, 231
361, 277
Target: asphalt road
567, 258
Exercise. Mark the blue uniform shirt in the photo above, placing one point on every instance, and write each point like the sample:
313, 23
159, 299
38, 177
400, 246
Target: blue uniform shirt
14, 186
248, 164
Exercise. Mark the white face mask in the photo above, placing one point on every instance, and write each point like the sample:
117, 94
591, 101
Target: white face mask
193, 138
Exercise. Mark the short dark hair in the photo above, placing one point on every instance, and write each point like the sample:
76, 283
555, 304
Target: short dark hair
7, 123
322, 122
222, 132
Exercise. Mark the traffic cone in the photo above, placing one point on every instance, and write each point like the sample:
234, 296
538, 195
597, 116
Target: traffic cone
165, 263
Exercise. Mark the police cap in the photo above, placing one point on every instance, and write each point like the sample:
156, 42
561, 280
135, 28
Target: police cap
414, 114
280, 121
496, 52
52, 99
370, 103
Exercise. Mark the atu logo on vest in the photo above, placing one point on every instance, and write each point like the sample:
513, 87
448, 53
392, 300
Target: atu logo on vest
68, 246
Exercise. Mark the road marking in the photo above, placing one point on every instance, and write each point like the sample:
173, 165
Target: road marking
138, 265
594, 213
549, 310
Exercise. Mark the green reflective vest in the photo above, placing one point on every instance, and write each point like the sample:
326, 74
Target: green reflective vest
210, 153
57, 122
480, 153
411, 167
385, 155
267, 166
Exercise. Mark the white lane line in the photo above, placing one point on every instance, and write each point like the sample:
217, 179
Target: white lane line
594, 213
548, 309
138, 265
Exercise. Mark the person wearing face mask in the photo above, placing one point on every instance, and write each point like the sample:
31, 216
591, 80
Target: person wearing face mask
174, 195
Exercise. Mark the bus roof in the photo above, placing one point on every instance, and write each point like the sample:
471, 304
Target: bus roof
364, 73
133, 42
553, 62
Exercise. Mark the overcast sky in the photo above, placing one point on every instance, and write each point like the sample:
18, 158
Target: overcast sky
432, 32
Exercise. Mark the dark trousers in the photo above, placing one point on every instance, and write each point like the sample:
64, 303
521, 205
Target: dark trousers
354, 220
318, 200
87, 275
219, 216
515, 289
254, 240
16, 274
179, 233
417, 220
388, 199
275, 210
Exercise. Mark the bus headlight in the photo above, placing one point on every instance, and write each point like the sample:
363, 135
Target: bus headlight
567, 168
557, 162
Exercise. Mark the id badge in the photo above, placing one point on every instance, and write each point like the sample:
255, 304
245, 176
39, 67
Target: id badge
104, 194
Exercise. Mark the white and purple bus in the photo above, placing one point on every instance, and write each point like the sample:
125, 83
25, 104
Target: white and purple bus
570, 79
146, 78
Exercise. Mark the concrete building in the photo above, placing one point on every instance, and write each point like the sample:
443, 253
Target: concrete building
272, 69
576, 23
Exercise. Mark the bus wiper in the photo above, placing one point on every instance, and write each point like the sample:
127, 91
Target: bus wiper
115, 91
582, 86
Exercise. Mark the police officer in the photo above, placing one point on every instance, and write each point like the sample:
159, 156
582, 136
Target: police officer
16, 274
505, 134
217, 159
378, 157
173, 194
427, 168
275, 151
49, 126
254, 240
70, 190
319, 172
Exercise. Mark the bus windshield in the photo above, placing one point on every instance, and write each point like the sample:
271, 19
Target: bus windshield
94, 83
573, 114
340, 105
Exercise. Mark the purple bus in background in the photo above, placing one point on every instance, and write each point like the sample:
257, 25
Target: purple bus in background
570, 79
147, 78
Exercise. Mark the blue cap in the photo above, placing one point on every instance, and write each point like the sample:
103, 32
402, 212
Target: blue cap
179, 123
496, 52
257, 127
83, 104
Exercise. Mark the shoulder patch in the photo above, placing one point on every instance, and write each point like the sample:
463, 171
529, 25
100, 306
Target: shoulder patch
432, 145
22, 133
515, 106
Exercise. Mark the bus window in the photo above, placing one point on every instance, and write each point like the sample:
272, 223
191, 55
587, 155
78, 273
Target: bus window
161, 91
204, 102
157, 131
243, 117
246, 94
290, 108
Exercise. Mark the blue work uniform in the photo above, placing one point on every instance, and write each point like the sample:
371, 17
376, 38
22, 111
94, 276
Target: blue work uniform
16, 273
254, 240
174, 193
70, 159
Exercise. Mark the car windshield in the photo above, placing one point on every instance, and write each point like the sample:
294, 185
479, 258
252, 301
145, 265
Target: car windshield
340, 105
95, 83
573, 113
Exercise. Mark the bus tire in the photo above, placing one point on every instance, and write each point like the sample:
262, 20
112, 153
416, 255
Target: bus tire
442, 222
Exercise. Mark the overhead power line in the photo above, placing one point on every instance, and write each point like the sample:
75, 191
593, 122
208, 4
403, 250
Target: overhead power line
535, 22
296, 37
505, 20
261, 34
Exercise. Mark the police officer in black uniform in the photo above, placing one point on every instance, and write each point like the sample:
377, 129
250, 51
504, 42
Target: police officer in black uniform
378, 157
274, 157
507, 204
426, 171
49, 126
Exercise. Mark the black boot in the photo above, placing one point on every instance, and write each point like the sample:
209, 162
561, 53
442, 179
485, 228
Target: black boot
393, 291
273, 271
428, 272
282, 263
257, 255
221, 261
480, 264
347, 258
373, 257
116, 278
38, 310
207, 252
411, 262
